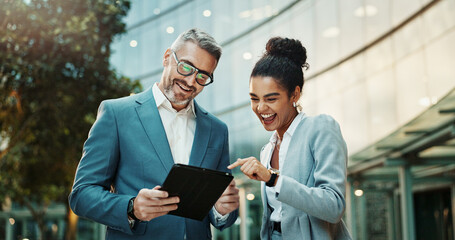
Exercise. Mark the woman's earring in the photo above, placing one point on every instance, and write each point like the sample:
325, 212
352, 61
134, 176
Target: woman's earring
293, 104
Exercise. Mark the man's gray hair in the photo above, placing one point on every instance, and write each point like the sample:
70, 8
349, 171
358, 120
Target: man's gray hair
201, 38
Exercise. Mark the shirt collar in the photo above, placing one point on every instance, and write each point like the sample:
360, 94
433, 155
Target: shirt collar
291, 128
162, 101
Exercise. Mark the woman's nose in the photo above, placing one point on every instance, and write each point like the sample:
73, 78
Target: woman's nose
261, 107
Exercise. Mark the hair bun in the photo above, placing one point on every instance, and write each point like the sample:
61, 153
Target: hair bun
289, 48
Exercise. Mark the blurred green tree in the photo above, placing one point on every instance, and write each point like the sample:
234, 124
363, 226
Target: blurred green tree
54, 72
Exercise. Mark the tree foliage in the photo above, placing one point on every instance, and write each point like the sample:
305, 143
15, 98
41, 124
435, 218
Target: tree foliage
54, 72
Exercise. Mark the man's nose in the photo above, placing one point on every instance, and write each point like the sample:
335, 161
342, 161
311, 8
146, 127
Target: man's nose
191, 79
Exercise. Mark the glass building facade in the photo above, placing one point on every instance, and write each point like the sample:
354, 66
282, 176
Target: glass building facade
366, 71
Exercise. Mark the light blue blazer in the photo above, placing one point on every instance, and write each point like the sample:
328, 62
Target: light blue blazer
313, 183
127, 148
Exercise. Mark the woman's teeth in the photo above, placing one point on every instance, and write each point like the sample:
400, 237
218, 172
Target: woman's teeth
267, 115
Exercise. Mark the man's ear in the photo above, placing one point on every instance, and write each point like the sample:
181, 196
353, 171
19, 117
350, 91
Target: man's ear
166, 57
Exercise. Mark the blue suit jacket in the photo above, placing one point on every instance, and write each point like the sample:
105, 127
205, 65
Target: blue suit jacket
313, 183
127, 148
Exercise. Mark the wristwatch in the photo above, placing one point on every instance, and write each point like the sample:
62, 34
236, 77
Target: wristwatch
131, 217
274, 174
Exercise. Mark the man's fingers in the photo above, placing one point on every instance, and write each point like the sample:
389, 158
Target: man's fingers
162, 201
233, 205
147, 213
152, 203
154, 193
229, 199
229, 191
162, 209
229, 188
232, 184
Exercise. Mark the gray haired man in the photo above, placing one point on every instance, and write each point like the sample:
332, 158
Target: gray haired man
135, 141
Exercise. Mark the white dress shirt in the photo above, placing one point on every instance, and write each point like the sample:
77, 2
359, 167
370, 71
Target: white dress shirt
180, 128
272, 191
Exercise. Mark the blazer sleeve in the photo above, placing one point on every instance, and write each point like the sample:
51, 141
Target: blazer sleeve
222, 166
91, 196
325, 200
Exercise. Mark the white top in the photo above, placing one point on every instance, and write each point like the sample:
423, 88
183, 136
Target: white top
271, 192
179, 126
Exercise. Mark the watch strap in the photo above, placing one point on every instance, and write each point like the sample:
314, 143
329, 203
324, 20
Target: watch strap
131, 209
131, 222
271, 182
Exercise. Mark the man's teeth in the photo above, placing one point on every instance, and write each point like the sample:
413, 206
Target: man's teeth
267, 115
184, 88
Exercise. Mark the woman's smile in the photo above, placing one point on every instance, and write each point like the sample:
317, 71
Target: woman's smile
268, 118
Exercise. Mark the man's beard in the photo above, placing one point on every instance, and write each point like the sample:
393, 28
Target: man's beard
170, 95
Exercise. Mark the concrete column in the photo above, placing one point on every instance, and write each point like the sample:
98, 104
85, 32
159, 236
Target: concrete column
61, 228
397, 207
24, 227
8, 230
391, 224
407, 203
243, 214
363, 217
453, 208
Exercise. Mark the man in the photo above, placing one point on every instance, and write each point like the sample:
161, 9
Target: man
136, 140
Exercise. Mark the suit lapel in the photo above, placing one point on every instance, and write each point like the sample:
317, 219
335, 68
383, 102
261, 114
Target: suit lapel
153, 126
201, 136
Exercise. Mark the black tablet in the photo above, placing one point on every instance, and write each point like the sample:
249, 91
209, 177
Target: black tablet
198, 189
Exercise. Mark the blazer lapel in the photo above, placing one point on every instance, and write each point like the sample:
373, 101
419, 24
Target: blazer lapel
266, 154
153, 126
201, 136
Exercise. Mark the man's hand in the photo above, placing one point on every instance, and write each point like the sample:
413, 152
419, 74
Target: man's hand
152, 203
252, 168
229, 200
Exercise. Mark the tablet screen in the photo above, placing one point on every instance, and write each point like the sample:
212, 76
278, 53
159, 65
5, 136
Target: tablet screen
198, 189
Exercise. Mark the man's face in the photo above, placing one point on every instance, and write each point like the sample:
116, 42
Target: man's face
179, 89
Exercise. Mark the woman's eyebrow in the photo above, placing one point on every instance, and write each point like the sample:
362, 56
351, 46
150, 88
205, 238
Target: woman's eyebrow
272, 94
267, 95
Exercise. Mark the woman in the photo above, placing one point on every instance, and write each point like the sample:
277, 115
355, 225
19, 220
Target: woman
303, 167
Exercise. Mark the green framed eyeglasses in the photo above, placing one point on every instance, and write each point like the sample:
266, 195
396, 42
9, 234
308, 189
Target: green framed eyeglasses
203, 78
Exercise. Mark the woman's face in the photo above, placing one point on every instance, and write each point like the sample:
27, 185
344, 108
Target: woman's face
272, 104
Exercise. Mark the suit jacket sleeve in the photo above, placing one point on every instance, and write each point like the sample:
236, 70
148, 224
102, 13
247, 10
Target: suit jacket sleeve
91, 196
222, 166
325, 200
